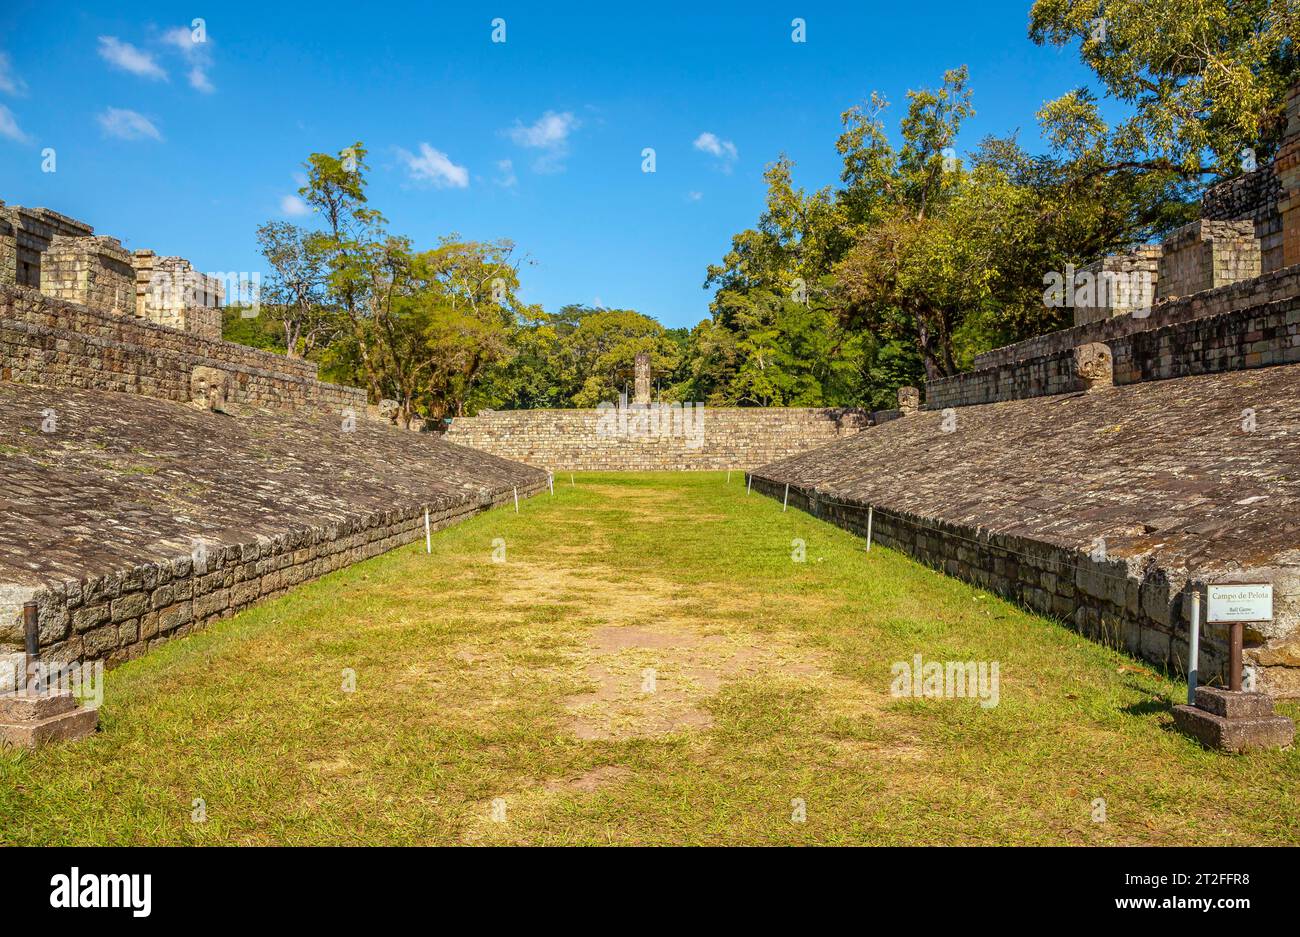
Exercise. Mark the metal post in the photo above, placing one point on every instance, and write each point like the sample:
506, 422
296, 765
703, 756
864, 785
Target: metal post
870, 512
32, 636
1234, 656
516, 499
749, 485
1194, 649
786, 500
428, 533
31, 629
550, 480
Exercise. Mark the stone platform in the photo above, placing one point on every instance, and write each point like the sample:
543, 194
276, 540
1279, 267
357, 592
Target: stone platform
1098, 508
1234, 721
134, 519
26, 722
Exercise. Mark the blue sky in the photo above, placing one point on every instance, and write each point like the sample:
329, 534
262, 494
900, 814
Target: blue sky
186, 150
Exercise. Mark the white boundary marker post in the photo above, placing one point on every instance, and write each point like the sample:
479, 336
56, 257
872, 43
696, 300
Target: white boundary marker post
516, 499
870, 511
749, 485
1194, 648
571, 484
428, 534
728, 476
550, 480
786, 500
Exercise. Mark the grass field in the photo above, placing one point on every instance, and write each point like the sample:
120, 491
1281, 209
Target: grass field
647, 666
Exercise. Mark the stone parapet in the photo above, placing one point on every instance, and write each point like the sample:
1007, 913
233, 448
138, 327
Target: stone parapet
1118, 285
32, 229
170, 292
57, 343
1281, 284
649, 439
1253, 197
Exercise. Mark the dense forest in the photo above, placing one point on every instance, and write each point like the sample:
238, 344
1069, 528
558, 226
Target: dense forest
904, 268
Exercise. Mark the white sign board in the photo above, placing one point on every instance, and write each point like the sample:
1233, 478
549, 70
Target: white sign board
1240, 601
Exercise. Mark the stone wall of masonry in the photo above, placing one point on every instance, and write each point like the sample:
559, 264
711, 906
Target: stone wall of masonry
122, 614
643, 439
1075, 369
133, 520
61, 257
1257, 337
25, 236
1119, 284
50, 341
1205, 255
1245, 325
1101, 509
1281, 284
169, 291
92, 271
1251, 197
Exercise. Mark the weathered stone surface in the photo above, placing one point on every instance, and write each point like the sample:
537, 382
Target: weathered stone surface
103, 518
74, 724
24, 707
1233, 705
48, 341
1128, 496
1234, 735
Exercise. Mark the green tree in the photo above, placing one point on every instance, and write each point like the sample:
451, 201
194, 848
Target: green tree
1203, 79
296, 294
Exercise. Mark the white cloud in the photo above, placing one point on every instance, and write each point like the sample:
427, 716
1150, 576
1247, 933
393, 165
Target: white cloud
199, 80
10, 83
127, 57
507, 179
197, 54
549, 133
127, 125
9, 128
723, 150
435, 167
695, 196
294, 207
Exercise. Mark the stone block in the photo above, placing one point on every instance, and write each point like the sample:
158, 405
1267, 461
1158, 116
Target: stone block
1233, 705
33, 707
1234, 735
74, 724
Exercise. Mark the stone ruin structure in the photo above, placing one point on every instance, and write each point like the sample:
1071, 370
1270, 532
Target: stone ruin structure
158, 478
642, 436
1106, 473
64, 259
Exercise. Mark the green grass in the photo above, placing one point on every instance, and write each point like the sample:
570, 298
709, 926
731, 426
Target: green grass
523, 681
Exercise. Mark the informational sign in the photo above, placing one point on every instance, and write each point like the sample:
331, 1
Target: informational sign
1240, 601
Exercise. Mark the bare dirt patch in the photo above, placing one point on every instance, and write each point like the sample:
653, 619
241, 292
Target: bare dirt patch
654, 680
589, 781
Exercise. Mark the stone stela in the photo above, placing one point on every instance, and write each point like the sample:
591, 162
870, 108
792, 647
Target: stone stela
641, 384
